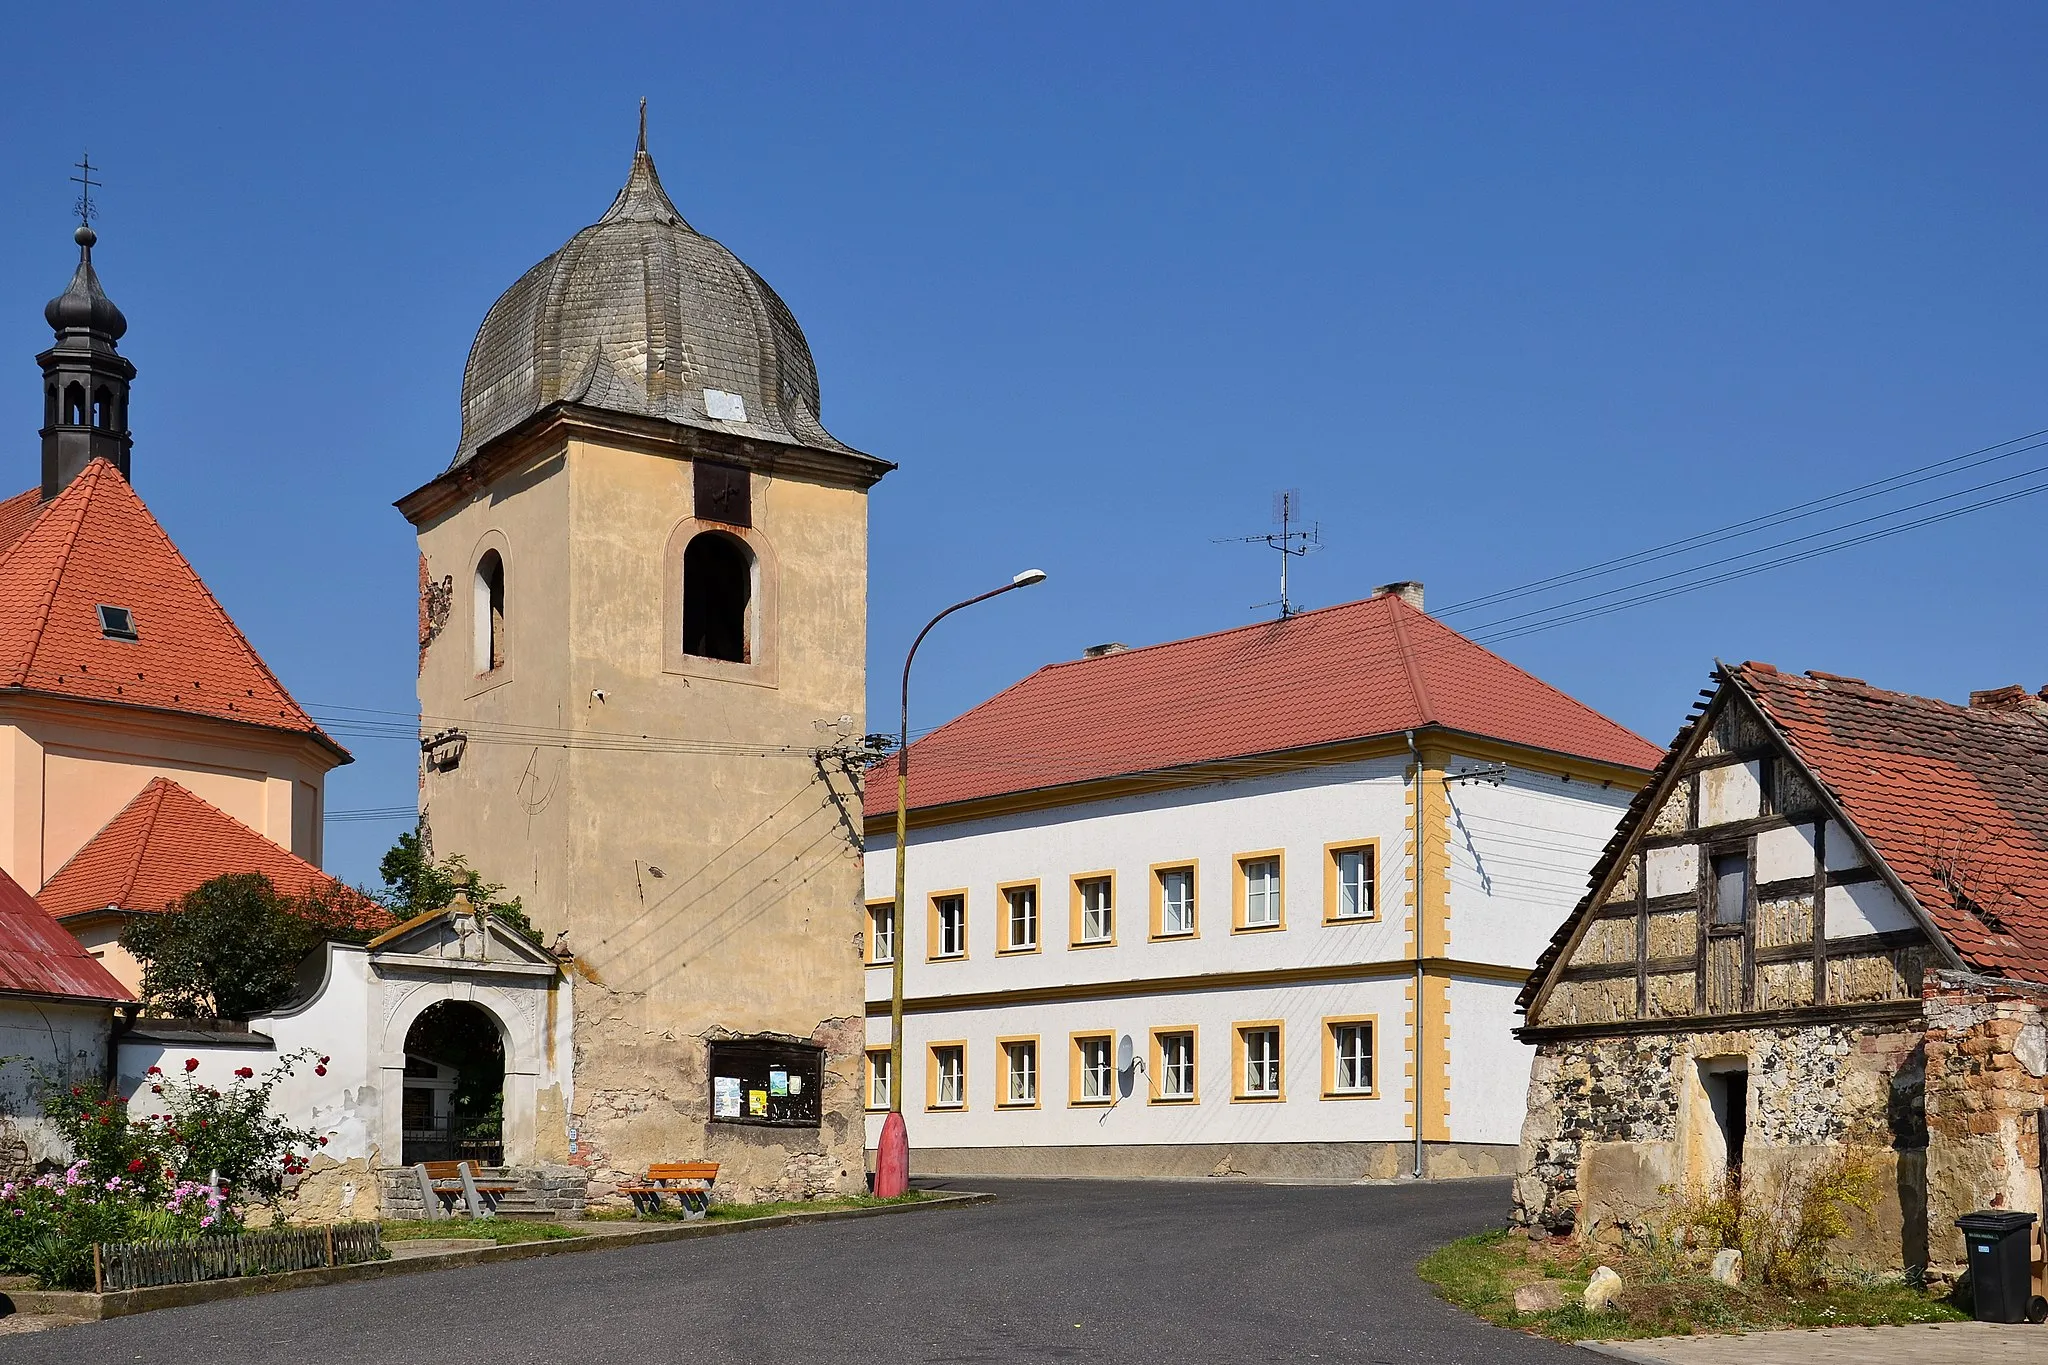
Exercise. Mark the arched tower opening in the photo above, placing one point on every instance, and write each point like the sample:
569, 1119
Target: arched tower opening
490, 612
718, 595
454, 1086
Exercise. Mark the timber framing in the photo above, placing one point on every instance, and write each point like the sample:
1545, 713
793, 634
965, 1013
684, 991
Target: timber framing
1805, 1016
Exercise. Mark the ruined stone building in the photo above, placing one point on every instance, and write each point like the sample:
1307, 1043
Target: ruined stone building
1823, 924
643, 589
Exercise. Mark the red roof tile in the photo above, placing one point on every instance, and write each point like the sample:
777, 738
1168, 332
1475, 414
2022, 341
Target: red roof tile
95, 543
17, 514
166, 842
37, 957
1953, 798
1374, 667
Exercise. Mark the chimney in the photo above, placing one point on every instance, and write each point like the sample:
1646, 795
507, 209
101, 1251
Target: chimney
1408, 590
1097, 651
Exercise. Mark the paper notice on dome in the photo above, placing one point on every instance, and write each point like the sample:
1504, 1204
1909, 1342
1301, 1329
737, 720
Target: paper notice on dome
724, 407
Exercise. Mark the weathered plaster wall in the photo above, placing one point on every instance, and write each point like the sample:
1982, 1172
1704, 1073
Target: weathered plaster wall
63, 1042
1987, 1083
752, 922
1617, 1126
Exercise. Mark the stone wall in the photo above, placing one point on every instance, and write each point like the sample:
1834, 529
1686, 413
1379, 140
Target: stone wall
1618, 1127
1987, 1083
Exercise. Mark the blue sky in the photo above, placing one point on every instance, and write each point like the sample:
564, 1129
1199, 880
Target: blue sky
1503, 291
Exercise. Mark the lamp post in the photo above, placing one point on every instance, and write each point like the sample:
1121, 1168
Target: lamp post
892, 1154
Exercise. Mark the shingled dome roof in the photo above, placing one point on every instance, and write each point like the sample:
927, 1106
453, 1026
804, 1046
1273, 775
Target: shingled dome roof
640, 313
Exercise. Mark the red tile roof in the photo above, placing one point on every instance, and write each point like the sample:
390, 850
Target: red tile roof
37, 957
95, 543
1374, 667
166, 842
17, 514
1953, 798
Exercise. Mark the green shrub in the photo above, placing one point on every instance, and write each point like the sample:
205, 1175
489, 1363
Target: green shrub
1784, 1225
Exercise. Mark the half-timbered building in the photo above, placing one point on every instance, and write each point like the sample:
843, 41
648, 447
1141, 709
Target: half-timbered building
1823, 924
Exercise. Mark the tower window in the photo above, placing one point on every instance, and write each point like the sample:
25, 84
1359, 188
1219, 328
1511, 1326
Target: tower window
102, 408
118, 623
50, 406
74, 405
490, 612
718, 590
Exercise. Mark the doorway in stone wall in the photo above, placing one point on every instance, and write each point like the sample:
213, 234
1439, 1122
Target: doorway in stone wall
454, 1103
1726, 1082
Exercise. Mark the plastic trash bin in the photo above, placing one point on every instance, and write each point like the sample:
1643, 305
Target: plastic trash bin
2000, 1245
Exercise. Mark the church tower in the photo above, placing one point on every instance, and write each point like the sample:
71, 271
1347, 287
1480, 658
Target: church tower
85, 378
643, 588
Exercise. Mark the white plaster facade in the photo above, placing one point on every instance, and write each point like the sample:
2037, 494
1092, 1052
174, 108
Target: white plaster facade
1512, 862
360, 1005
62, 1042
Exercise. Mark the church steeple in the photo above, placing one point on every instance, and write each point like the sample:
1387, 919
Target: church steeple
85, 379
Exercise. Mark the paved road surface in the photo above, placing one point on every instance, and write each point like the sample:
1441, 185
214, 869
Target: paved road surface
1108, 1273
1947, 1343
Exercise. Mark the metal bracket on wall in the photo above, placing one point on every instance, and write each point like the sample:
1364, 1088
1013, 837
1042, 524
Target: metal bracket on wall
1492, 773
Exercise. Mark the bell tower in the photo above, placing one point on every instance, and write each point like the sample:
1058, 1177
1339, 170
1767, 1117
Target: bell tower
85, 378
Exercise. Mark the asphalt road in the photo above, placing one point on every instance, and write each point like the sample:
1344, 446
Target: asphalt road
1111, 1272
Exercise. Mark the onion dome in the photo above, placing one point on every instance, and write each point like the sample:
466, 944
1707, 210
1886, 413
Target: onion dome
84, 306
640, 313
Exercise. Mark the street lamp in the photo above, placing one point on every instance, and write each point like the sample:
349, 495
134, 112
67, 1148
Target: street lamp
892, 1155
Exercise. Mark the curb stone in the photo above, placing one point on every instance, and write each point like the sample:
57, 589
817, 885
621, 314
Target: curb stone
86, 1305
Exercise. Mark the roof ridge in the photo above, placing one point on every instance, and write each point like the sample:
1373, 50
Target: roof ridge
159, 787
1411, 665
33, 638
1218, 634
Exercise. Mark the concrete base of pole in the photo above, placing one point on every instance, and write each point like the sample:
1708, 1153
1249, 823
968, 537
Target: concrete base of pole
892, 1159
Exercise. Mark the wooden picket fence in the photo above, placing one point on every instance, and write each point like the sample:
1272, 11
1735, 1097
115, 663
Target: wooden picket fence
227, 1255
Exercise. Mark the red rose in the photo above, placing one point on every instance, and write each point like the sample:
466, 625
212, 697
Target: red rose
319, 1071
324, 1061
323, 1142
154, 1071
156, 1090
244, 1072
191, 1064
135, 1166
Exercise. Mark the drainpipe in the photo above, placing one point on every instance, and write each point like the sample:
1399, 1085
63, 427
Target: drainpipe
1420, 1019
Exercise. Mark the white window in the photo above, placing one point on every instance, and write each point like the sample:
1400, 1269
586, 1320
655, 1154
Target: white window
1098, 915
1261, 1048
1261, 891
878, 1080
1020, 1072
949, 916
1354, 883
949, 1077
1177, 901
1351, 1059
1176, 1066
1097, 1078
1021, 927
882, 933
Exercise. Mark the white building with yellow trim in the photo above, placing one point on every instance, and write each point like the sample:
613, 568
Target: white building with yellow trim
1163, 903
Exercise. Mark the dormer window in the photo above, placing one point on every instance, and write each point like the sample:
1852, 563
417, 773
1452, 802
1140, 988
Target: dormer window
117, 623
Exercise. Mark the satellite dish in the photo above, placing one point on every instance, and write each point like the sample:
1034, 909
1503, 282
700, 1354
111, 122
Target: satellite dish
1125, 1053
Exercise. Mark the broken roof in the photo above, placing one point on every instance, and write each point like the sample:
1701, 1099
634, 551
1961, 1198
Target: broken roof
1363, 669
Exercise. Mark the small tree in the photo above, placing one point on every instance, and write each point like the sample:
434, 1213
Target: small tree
415, 884
231, 947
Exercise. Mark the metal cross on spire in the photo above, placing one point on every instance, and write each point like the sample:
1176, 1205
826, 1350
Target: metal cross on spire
84, 208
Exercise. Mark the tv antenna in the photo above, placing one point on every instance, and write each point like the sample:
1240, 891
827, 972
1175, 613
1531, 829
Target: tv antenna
1292, 540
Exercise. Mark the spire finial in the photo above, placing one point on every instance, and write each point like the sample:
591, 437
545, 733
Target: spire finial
84, 207
642, 146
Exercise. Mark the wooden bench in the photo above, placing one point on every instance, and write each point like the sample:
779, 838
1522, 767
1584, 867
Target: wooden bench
689, 1181
457, 1180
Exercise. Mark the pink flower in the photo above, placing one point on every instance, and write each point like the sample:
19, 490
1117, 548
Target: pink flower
207, 1221
191, 1064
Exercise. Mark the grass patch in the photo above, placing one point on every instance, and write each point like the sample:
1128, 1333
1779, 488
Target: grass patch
1660, 1298
500, 1230
508, 1230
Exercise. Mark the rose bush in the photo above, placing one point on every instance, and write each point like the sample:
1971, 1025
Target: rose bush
198, 1161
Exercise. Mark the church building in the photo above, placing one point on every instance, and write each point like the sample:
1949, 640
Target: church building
134, 715
643, 586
